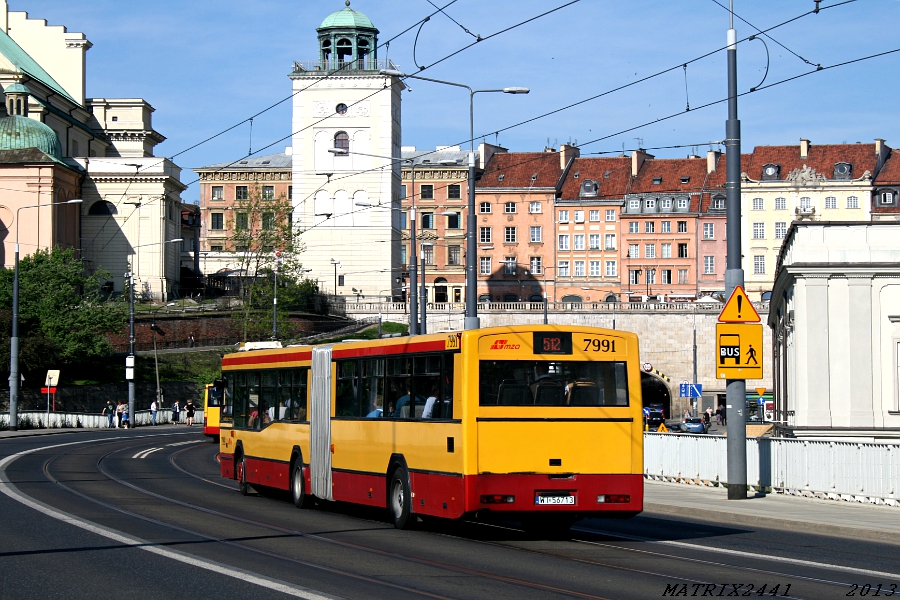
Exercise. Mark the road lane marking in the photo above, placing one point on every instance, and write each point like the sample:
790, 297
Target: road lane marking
146, 453
7, 487
188, 442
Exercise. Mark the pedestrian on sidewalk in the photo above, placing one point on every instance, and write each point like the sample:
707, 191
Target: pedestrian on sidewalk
724, 415
125, 417
719, 416
153, 409
189, 412
191, 340
707, 416
120, 409
176, 409
686, 415
110, 411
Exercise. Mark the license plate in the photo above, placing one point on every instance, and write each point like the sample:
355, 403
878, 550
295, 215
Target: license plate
568, 499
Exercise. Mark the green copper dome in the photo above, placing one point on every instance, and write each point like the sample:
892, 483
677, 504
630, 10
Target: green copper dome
347, 18
21, 133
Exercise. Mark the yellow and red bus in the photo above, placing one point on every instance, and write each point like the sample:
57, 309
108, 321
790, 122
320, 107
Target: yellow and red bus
536, 423
212, 407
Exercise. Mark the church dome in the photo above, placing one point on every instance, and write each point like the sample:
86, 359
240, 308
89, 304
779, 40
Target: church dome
21, 133
347, 18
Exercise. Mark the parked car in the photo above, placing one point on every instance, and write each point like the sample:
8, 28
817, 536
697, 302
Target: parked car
694, 425
654, 420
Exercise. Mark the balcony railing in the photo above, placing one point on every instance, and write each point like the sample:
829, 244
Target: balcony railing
332, 65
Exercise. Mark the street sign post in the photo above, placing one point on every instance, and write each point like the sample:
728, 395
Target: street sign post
691, 390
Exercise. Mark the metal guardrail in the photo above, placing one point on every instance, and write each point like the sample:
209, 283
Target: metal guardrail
849, 471
537, 307
36, 419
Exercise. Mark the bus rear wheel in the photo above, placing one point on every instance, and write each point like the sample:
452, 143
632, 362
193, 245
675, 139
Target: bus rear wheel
298, 487
243, 486
399, 501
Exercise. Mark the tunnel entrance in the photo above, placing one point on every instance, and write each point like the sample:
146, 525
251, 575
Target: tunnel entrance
655, 391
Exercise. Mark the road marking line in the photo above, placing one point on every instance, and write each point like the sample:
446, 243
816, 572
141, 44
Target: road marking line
218, 568
188, 442
794, 561
146, 453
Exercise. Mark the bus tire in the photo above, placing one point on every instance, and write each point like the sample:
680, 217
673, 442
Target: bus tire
298, 486
399, 500
243, 486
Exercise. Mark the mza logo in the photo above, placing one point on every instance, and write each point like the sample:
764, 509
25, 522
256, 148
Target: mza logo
502, 345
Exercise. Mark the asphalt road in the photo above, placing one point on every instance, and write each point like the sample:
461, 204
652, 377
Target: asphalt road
144, 514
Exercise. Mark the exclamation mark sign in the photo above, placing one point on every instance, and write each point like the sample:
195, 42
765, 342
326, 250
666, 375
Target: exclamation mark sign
740, 300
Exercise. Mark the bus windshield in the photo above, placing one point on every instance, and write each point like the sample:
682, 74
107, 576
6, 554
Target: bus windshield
552, 383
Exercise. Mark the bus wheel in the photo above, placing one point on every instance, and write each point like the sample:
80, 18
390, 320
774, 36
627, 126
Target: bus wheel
243, 486
399, 500
298, 486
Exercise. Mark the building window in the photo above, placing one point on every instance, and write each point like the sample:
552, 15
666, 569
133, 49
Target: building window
805, 203
780, 204
403, 255
426, 192
633, 251
403, 217
682, 276
665, 227
268, 192
665, 276
651, 203
611, 268
667, 251
241, 222
610, 241
509, 266
537, 265
594, 267
241, 192
578, 241
217, 221
759, 231
428, 255
682, 250
579, 216
579, 268
340, 281
534, 208
634, 205
852, 202
485, 265
649, 250
709, 231
594, 241
484, 235
403, 192
509, 235
218, 193
886, 197
666, 204
342, 141
509, 207
780, 230
453, 221
268, 221
634, 276
649, 227
633, 227
484, 208
563, 216
651, 277
709, 265
759, 204
611, 215
717, 204
563, 268
594, 215
427, 220
453, 255
454, 192
535, 234
563, 242
759, 265
290, 192
830, 202
682, 226
682, 203
215, 248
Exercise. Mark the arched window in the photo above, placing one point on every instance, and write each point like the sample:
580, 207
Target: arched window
344, 51
342, 140
573, 299
103, 208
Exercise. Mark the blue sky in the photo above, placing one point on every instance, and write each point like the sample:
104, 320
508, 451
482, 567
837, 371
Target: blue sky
208, 65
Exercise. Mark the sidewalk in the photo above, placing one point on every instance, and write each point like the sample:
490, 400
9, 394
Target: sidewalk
775, 511
163, 427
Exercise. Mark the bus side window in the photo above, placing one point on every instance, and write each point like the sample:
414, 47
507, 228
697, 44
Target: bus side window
228, 401
268, 398
346, 403
371, 398
300, 397
251, 410
444, 408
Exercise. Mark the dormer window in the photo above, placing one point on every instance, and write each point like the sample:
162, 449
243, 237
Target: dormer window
842, 170
718, 203
606, 175
500, 177
533, 177
589, 188
685, 180
657, 180
667, 203
577, 174
771, 172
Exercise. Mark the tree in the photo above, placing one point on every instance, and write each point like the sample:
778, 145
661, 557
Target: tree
264, 242
62, 317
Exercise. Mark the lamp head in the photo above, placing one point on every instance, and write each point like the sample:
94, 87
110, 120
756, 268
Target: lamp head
339, 151
392, 73
516, 90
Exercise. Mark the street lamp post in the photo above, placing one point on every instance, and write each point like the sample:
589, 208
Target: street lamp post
129, 360
155, 331
471, 321
14, 337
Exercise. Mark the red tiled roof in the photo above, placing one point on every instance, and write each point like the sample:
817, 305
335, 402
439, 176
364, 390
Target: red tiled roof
890, 172
820, 158
669, 172
613, 186
515, 170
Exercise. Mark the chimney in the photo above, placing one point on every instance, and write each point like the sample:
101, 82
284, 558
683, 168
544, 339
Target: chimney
567, 153
637, 159
712, 157
882, 151
804, 148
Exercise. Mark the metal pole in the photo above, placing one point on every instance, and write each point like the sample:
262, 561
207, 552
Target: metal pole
736, 389
14, 347
274, 305
471, 320
413, 273
423, 298
131, 345
156, 366
696, 406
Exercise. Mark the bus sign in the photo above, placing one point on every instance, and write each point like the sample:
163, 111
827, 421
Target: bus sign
739, 351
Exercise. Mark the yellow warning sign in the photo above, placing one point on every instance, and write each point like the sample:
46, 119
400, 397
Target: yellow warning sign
739, 309
739, 351
662, 428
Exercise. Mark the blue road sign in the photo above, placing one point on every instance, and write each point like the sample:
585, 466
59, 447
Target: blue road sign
646, 411
761, 401
691, 390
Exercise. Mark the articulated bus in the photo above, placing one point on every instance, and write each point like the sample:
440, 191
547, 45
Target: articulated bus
212, 406
540, 424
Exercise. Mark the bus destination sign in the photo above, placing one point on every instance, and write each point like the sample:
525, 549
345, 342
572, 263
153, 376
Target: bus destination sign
552, 342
